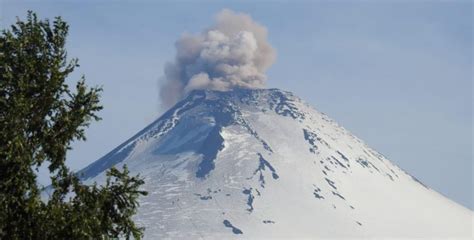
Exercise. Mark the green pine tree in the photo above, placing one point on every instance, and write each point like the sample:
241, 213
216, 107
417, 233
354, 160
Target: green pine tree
40, 116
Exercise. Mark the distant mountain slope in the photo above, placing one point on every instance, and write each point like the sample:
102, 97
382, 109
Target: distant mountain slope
263, 164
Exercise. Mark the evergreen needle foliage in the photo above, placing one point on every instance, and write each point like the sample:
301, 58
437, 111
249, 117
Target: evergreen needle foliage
40, 116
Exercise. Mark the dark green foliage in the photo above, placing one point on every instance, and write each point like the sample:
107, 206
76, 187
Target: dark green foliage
39, 119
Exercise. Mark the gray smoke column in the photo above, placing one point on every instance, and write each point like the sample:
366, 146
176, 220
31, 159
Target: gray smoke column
234, 53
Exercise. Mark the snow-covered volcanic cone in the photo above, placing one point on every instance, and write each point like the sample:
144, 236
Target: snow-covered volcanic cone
256, 164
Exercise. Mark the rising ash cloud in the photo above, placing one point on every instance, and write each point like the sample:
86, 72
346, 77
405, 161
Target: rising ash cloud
233, 53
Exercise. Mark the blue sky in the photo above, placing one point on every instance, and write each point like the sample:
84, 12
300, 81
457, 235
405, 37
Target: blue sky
398, 74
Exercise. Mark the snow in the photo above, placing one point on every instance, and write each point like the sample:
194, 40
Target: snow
264, 164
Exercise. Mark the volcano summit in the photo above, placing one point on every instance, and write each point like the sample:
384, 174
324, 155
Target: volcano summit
264, 164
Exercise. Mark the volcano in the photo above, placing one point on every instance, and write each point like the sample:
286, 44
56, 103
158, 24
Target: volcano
262, 163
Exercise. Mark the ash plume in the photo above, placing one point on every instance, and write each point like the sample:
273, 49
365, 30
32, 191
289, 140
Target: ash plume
233, 53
